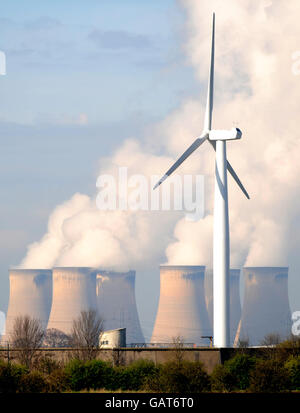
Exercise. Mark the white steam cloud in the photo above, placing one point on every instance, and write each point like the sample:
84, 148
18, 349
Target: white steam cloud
79, 234
255, 86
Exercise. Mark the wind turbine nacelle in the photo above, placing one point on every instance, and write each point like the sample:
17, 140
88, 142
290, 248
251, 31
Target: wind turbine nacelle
225, 135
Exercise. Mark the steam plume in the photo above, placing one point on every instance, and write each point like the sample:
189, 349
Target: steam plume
254, 85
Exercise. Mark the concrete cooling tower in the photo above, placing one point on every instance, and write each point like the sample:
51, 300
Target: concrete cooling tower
117, 305
266, 307
30, 294
209, 299
74, 290
235, 302
181, 309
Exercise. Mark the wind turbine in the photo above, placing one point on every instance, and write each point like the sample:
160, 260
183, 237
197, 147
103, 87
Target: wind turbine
221, 247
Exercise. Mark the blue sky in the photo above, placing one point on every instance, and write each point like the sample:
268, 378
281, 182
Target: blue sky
59, 57
81, 78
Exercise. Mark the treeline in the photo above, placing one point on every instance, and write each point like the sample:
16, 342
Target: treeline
274, 370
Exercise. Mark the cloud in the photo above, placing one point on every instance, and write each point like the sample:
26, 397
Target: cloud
5, 22
118, 40
43, 23
254, 85
62, 119
79, 234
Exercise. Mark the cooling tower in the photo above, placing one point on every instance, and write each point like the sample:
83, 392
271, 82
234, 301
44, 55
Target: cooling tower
266, 307
74, 290
209, 299
235, 302
30, 294
117, 305
181, 309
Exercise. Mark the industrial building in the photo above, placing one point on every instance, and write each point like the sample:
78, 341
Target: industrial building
74, 290
30, 294
117, 305
266, 307
113, 338
182, 310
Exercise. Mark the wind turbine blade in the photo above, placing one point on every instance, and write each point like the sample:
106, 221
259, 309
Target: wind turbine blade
183, 157
233, 173
210, 89
237, 180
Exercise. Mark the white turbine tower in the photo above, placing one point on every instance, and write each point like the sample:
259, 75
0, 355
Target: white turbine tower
217, 138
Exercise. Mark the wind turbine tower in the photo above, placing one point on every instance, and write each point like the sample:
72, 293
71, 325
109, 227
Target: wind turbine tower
221, 245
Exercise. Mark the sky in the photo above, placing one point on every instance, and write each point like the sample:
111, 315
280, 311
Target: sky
80, 80
106, 84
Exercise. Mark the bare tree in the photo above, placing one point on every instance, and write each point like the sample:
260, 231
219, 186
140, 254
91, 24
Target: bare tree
56, 339
178, 352
85, 335
270, 346
27, 336
271, 339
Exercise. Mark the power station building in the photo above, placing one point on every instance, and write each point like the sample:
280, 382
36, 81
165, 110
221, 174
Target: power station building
266, 307
30, 294
74, 290
185, 306
113, 338
117, 305
182, 310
